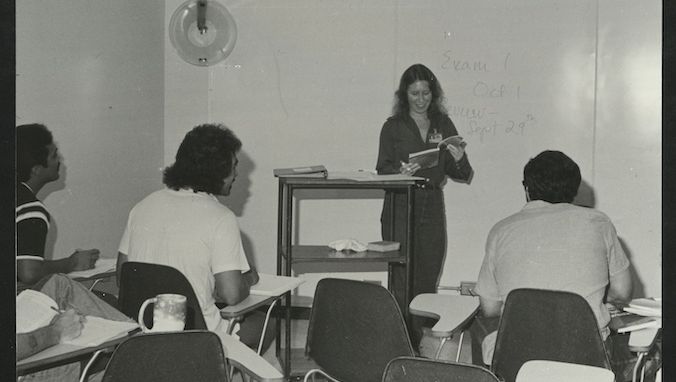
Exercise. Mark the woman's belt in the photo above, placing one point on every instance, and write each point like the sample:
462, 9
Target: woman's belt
429, 186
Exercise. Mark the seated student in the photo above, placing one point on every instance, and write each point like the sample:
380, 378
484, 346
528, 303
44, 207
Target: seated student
76, 301
38, 163
65, 326
185, 226
551, 244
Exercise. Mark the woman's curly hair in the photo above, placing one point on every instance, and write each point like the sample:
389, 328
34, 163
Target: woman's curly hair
418, 72
204, 159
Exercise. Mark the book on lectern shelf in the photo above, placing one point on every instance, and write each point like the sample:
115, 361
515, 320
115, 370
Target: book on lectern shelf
315, 171
382, 246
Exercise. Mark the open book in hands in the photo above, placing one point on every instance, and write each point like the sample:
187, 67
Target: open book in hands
454, 140
430, 158
425, 159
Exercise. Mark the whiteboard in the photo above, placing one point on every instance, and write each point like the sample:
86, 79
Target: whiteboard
519, 78
312, 81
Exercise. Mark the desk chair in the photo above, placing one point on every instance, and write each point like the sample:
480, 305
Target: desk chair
546, 325
410, 369
355, 329
452, 312
554, 371
641, 342
140, 281
195, 355
109, 298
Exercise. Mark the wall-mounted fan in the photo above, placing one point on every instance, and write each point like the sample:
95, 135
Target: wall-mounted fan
203, 32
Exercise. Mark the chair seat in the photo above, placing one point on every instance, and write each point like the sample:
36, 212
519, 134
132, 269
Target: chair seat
554, 371
410, 369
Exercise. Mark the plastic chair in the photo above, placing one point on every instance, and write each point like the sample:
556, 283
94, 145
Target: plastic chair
554, 371
355, 329
546, 325
410, 369
109, 298
195, 355
140, 281
641, 342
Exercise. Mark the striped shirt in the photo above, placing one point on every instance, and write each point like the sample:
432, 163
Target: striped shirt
32, 224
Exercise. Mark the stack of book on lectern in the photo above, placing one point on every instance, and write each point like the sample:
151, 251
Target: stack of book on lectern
316, 171
382, 246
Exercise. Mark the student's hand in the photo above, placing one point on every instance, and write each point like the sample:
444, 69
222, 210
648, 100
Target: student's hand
456, 151
409, 168
83, 259
68, 325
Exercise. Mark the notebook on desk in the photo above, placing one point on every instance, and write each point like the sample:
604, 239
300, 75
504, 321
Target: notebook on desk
645, 307
629, 322
36, 310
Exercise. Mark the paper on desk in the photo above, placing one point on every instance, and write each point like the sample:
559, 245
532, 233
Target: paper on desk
98, 330
102, 265
33, 310
273, 285
645, 307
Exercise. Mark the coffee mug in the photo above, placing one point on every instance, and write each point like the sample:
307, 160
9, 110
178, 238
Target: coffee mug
168, 313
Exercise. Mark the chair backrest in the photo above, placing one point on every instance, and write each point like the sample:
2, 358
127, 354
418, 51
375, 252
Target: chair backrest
546, 325
410, 369
554, 371
140, 281
355, 329
195, 355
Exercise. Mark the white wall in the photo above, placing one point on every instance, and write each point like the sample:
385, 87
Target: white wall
629, 104
92, 71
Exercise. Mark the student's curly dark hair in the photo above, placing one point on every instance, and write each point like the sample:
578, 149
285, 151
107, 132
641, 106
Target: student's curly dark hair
552, 176
204, 159
418, 72
31, 148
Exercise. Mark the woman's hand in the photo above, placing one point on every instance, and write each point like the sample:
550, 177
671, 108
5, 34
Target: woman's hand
409, 168
457, 152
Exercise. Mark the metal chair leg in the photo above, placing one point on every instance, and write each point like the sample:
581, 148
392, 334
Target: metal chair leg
457, 355
441, 345
83, 375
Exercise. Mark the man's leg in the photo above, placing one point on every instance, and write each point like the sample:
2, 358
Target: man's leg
69, 293
251, 328
481, 327
623, 360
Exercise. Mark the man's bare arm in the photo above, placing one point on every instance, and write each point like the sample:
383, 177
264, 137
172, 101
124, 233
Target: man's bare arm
233, 286
620, 287
31, 271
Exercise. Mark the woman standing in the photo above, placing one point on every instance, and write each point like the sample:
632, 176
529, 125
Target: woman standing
419, 122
